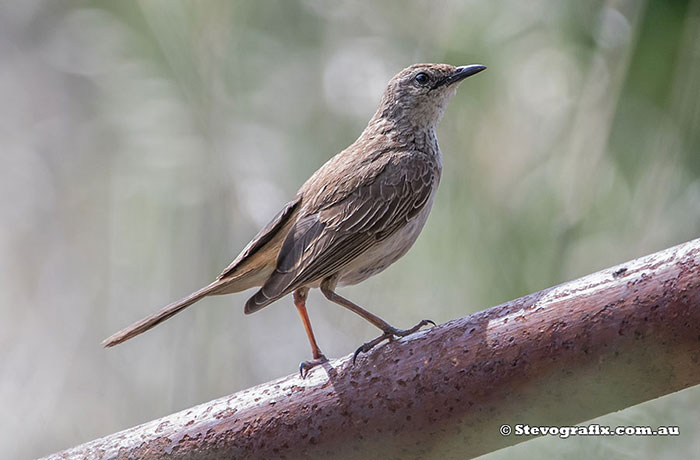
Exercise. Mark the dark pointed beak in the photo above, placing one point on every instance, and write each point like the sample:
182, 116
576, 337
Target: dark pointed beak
461, 73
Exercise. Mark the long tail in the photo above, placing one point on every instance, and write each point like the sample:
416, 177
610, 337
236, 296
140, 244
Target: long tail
160, 316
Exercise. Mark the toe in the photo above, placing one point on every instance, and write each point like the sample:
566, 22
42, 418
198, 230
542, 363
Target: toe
303, 370
306, 366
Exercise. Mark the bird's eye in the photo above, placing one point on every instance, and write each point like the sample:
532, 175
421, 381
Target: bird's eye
422, 78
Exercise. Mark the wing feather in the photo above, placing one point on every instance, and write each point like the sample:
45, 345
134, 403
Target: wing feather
322, 243
263, 237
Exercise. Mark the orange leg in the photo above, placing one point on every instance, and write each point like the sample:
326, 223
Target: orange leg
300, 302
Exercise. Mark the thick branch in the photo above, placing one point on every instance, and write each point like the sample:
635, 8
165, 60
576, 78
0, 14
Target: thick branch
564, 355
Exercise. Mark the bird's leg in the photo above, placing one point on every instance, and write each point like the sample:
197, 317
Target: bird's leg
390, 332
300, 302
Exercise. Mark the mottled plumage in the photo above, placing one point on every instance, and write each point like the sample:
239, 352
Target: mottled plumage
330, 234
356, 215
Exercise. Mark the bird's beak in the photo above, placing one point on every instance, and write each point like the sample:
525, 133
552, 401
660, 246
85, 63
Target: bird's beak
461, 73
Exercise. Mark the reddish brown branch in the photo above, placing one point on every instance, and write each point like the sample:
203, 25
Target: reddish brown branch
560, 356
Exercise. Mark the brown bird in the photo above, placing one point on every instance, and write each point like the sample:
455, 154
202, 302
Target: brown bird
355, 216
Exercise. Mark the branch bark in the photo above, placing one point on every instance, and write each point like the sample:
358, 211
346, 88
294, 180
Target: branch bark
560, 356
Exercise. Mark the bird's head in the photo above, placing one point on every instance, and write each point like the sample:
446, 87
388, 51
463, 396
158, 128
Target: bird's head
418, 95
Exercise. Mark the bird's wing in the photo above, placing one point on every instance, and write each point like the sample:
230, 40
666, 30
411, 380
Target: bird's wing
263, 237
320, 244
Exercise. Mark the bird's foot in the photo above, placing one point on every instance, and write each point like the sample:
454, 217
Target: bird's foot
389, 334
306, 366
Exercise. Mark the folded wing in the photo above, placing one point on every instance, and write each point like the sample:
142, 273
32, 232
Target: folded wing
322, 243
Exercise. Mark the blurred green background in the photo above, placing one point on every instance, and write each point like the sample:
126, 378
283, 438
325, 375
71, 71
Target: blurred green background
142, 144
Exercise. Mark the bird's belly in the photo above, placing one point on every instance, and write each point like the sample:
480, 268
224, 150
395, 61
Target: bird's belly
385, 253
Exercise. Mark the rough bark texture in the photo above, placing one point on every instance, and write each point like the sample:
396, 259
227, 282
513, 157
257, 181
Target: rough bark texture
564, 355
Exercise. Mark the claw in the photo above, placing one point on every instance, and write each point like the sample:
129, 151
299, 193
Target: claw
306, 366
354, 355
364, 348
389, 335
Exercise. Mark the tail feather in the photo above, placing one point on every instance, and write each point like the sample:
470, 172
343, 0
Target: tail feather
258, 302
160, 316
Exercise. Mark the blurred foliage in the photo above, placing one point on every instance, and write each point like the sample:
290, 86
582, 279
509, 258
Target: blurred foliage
144, 143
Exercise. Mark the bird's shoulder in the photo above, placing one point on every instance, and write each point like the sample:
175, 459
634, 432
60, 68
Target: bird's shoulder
363, 165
